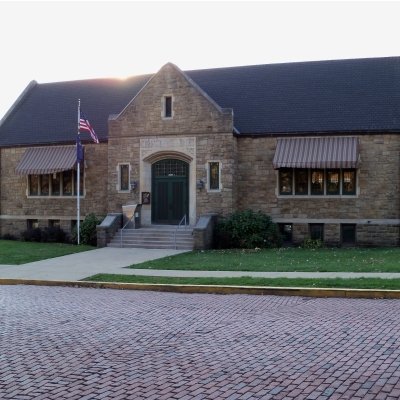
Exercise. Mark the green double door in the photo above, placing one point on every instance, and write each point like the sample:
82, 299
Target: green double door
170, 191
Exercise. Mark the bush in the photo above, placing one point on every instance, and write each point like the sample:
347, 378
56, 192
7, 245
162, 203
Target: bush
87, 228
312, 243
32, 235
52, 234
247, 230
9, 236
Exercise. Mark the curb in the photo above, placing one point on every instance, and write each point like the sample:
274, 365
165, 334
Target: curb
217, 289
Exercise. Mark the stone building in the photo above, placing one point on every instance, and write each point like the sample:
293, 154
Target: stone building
316, 145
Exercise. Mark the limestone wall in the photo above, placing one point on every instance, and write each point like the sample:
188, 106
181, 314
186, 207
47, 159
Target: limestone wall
17, 206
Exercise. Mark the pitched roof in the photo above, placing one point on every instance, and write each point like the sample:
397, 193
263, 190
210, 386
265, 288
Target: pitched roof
358, 95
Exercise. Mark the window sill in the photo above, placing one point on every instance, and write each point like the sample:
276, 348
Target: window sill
56, 197
309, 196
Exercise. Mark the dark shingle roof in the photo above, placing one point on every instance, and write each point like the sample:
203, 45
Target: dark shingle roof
303, 97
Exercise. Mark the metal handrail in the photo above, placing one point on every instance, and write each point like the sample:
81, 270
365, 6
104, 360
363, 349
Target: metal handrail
176, 230
130, 220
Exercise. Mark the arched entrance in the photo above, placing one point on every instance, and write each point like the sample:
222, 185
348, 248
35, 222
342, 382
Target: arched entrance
170, 188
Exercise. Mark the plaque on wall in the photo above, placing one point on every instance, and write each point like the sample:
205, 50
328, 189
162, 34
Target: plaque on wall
145, 197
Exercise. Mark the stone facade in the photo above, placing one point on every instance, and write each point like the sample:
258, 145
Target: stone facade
17, 207
375, 209
198, 132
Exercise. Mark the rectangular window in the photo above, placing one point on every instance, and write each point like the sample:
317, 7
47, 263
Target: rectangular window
44, 185
317, 231
124, 177
55, 184
54, 223
32, 223
67, 183
214, 175
349, 181
285, 181
286, 231
348, 232
33, 185
332, 181
301, 181
317, 182
167, 106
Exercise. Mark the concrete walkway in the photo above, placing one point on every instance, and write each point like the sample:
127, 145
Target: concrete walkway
111, 260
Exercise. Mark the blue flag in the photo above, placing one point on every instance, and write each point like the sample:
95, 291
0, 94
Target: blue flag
79, 150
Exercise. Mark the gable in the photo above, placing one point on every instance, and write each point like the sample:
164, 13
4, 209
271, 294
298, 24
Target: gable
192, 110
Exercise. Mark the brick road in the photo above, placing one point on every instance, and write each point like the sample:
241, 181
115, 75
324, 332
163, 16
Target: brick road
70, 343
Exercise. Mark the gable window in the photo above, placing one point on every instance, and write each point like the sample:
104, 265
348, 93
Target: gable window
123, 177
167, 107
214, 175
317, 182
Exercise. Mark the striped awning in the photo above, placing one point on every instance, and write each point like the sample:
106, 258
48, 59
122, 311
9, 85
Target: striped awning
47, 160
317, 152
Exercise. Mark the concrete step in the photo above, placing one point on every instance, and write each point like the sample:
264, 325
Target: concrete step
154, 237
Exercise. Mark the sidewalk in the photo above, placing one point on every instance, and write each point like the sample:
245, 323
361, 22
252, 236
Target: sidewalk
111, 260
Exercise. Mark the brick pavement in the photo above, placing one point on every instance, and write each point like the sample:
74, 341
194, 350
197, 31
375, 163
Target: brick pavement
73, 343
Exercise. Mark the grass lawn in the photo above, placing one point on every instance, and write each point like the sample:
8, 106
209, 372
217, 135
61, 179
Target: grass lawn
360, 283
15, 252
284, 259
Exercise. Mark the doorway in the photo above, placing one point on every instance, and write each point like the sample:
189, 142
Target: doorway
170, 188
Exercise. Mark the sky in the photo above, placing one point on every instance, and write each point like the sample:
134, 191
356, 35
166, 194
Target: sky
61, 41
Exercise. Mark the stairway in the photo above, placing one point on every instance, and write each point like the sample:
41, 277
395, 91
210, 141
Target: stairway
155, 237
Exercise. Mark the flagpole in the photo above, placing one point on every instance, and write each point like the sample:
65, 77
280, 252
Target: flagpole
78, 179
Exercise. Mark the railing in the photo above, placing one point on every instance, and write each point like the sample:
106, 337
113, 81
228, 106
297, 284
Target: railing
176, 230
130, 220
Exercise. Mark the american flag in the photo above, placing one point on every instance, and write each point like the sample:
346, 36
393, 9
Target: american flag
84, 124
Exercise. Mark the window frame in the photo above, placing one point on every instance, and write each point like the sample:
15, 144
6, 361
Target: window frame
208, 168
56, 176
119, 177
296, 172
167, 105
322, 230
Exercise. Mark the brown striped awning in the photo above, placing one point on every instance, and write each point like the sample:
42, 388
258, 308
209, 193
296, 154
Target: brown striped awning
317, 152
47, 160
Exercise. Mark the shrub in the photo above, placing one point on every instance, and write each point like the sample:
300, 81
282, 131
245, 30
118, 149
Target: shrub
9, 236
247, 230
312, 243
51, 234
32, 235
87, 228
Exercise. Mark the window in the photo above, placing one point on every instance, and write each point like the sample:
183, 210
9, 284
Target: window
32, 223
317, 182
214, 175
349, 181
285, 181
56, 184
348, 234
54, 223
317, 231
33, 185
332, 181
124, 178
167, 107
301, 181
286, 231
